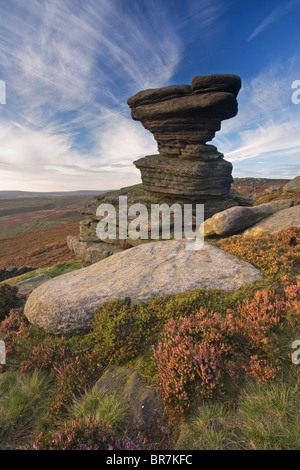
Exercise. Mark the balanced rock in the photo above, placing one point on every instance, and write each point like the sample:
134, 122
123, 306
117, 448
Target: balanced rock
66, 304
183, 119
236, 219
187, 170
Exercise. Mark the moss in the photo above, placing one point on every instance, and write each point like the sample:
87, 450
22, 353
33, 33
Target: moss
53, 271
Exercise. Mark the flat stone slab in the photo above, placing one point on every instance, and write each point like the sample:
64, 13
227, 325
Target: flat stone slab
66, 304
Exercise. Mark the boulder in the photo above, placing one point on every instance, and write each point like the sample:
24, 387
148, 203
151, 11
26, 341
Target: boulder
144, 402
89, 252
66, 304
28, 285
235, 219
292, 186
273, 224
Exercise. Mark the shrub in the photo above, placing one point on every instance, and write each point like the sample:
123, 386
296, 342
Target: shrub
14, 327
121, 331
72, 377
81, 435
275, 255
292, 292
192, 353
44, 356
8, 299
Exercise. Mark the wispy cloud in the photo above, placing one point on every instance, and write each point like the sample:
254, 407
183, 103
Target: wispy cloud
267, 124
69, 68
282, 9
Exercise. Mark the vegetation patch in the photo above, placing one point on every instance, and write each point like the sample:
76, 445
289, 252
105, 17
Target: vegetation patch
52, 271
219, 360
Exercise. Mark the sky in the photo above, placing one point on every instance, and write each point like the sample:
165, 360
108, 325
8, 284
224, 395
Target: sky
67, 68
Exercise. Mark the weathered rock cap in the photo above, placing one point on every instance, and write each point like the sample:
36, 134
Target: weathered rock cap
221, 104
153, 95
229, 83
209, 94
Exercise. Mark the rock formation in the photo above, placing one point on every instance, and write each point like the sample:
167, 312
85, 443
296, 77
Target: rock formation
183, 119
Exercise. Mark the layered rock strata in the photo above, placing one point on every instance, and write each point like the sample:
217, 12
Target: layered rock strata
183, 119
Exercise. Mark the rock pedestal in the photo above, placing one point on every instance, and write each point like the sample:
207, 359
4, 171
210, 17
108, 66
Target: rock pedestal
182, 118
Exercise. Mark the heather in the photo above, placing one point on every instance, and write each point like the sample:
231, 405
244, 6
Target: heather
218, 360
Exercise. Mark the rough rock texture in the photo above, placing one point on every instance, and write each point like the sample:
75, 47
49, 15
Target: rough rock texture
183, 119
88, 252
193, 179
66, 304
273, 224
28, 285
236, 219
90, 249
144, 402
292, 186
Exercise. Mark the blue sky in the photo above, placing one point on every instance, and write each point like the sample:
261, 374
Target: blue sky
69, 67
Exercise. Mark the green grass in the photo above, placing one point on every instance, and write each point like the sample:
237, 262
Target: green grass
52, 271
22, 404
109, 408
266, 417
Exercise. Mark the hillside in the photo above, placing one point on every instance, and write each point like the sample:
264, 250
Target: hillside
34, 230
25, 215
32, 194
41, 249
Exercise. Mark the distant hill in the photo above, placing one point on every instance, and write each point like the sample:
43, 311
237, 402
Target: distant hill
29, 194
30, 214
